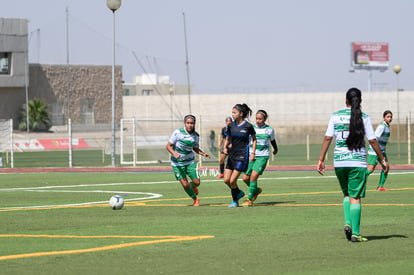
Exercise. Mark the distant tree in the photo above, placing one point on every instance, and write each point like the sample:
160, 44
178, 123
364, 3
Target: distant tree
38, 116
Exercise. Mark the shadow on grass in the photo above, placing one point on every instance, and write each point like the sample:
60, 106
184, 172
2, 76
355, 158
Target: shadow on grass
375, 238
268, 203
271, 203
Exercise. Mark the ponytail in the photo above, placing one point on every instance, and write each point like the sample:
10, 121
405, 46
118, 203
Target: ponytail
355, 140
244, 109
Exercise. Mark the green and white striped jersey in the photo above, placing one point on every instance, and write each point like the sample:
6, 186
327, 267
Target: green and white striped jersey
264, 135
338, 127
183, 143
382, 133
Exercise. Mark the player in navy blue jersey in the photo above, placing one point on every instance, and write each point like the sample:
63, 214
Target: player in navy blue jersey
223, 156
236, 146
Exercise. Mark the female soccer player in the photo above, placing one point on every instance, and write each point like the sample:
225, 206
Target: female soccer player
182, 145
350, 126
265, 136
383, 134
238, 134
223, 156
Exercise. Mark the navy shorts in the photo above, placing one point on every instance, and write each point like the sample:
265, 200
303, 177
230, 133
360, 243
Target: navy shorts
237, 164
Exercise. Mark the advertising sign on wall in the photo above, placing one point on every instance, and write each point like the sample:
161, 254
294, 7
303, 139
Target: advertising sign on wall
49, 144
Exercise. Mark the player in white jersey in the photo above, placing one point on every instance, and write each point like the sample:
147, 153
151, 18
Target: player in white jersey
383, 134
350, 127
265, 136
182, 145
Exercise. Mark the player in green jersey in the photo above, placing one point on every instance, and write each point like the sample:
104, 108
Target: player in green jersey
350, 127
382, 132
182, 145
265, 136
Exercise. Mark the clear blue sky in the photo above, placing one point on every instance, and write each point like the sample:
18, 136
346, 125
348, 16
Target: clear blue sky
233, 45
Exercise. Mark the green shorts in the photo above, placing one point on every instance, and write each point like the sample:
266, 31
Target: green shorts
258, 164
352, 180
181, 172
373, 159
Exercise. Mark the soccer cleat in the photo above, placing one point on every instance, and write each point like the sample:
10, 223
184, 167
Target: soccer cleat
358, 239
220, 176
259, 191
196, 202
348, 232
382, 188
249, 202
234, 204
195, 189
240, 195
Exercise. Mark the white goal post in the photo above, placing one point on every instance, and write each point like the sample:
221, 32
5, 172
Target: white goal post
143, 141
6, 142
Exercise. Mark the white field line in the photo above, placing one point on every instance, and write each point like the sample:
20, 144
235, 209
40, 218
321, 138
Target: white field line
148, 195
144, 195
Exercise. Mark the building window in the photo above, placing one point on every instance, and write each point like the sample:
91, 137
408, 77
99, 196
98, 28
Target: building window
147, 92
5, 61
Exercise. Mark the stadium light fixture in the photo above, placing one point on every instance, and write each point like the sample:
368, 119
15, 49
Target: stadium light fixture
113, 5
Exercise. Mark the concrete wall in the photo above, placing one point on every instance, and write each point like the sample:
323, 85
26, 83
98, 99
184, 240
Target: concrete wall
288, 112
11, 102
13, 39
49, 82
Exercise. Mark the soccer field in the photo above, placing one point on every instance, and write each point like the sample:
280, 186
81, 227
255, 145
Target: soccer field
61, 223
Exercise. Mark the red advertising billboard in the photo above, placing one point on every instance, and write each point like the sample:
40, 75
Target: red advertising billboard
370, 55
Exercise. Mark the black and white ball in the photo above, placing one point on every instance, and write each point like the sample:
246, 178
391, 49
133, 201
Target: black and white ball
116, 202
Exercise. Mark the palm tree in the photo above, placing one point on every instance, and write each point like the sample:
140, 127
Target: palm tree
38, 116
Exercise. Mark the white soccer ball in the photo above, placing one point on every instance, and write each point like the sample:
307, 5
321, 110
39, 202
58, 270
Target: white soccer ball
116, 202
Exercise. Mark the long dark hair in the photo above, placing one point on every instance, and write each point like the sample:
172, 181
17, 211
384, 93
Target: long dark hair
355, 140
244, 109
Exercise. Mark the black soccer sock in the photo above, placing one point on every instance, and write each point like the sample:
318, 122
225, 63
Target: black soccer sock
234, 193
221, 168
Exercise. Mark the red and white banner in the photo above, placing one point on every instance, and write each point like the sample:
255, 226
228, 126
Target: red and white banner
50, 144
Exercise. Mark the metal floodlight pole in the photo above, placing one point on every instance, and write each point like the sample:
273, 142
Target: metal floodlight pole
67, 113
397, 70
187, 65
26, 80
369, 80
113, 5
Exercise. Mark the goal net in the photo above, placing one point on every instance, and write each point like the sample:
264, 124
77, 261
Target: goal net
144, 141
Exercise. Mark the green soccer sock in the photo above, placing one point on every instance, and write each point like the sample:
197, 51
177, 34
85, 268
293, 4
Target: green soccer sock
247, 183
252, 189
355, 218
383, 178
191, 193
347, 210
